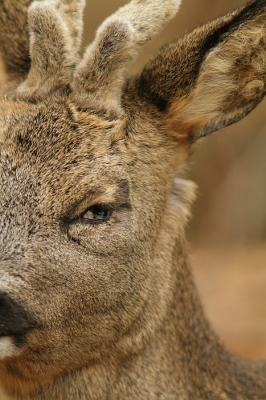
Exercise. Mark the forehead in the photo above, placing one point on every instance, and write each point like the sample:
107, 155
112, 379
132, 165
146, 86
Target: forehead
56, 127
61, 144
58, 120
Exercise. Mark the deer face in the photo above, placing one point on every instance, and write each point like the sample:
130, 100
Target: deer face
82, 206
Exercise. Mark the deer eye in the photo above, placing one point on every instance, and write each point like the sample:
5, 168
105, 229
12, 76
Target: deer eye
96, 214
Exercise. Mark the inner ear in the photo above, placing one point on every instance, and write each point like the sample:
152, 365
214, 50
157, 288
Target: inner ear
231, 82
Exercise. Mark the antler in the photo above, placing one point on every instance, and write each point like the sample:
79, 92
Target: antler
117, 43
72, 12
14, 48
55, 37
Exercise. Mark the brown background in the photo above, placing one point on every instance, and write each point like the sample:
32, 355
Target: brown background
228, 230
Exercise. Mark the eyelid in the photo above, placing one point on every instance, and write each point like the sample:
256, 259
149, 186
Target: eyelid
108, 207
82, 206
115, 196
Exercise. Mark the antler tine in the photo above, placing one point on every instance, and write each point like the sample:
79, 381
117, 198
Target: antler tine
72, 14
55, 37
148, 17
117, 43
14, 46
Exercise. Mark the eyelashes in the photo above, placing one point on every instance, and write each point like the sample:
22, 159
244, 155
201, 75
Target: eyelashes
95, 215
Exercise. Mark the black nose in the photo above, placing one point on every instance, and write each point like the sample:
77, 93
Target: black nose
14, 320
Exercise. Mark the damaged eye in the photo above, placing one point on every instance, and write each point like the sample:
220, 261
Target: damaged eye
96, 214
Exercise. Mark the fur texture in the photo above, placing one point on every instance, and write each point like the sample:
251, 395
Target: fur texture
93, 257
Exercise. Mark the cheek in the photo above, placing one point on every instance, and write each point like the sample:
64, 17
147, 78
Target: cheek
81, 295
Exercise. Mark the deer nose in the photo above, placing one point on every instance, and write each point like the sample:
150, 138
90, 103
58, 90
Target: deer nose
14, 320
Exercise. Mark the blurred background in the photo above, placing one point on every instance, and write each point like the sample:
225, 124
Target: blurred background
228, 229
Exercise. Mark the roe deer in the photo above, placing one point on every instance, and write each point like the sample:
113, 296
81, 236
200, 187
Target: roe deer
96, 295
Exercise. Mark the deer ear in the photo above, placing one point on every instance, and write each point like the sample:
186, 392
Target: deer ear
212, 77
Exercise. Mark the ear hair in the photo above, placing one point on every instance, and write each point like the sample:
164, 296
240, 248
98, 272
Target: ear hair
54, 45
232, 77
212, 77
117, 43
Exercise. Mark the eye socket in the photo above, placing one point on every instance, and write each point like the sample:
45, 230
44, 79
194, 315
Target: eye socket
96, 214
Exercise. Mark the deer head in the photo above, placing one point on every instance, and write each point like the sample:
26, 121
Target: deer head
92, 217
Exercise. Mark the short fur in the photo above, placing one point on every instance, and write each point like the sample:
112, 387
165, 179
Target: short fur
109, 310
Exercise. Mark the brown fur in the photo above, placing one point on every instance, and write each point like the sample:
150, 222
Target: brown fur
110, 310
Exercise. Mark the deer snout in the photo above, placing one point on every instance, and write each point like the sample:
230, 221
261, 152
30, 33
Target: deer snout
14, 324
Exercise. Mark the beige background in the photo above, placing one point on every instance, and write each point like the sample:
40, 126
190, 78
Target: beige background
228, 230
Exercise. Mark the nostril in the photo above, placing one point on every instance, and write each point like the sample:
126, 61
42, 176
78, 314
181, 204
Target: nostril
14, 320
